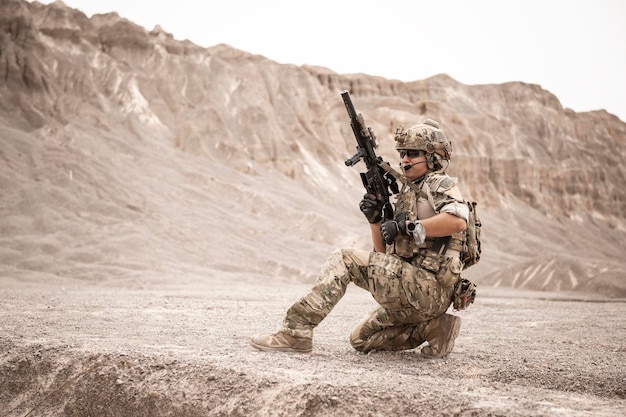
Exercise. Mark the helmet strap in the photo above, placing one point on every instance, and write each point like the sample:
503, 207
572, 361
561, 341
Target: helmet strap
430, 161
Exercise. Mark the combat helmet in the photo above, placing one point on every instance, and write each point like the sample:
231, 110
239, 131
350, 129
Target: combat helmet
427, 137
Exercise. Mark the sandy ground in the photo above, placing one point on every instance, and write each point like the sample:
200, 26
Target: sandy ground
162, 348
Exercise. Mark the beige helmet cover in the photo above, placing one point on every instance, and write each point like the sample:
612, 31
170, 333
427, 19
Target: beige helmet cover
425, 136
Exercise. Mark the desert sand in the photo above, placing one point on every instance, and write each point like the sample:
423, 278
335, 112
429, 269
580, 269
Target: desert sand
163, 347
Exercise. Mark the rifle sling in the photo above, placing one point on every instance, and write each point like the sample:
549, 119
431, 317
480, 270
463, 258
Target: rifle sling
385, 165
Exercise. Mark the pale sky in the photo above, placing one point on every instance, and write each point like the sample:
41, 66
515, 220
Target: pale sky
576, 49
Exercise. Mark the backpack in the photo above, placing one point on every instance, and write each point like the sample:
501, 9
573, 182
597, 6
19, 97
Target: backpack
470, 255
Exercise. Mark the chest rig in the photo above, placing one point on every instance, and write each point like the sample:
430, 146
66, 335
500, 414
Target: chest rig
415, 202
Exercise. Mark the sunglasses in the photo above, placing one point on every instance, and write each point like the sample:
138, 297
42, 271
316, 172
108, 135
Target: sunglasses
411, 153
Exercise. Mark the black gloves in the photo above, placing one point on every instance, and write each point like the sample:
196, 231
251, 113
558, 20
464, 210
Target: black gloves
391, 228
371, 208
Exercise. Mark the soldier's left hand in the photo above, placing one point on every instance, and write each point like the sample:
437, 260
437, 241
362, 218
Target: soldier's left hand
389, 230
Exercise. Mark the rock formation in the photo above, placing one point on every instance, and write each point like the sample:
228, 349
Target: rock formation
99, 115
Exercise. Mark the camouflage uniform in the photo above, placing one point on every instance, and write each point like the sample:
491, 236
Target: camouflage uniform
412, 282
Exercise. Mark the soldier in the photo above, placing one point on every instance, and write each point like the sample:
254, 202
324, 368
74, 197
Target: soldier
412, 270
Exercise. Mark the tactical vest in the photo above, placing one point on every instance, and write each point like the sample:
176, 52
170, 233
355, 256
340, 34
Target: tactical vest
417, 203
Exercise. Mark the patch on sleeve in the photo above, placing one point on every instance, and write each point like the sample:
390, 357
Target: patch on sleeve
442, 183
455, 193
445, 184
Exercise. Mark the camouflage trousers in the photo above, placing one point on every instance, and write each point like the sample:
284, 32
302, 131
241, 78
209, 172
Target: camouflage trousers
409, 297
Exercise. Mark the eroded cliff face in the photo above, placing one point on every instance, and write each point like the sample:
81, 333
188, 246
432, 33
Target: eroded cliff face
65, 77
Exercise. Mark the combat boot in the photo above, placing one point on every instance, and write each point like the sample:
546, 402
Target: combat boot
282, 342
440, 334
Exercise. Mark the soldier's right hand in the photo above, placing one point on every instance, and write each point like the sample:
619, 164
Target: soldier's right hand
371, 208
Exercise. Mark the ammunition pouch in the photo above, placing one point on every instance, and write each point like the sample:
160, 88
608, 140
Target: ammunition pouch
447, 269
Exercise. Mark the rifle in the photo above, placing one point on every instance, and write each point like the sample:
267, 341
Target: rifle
376, 180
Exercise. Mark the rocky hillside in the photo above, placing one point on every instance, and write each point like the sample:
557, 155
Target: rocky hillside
208, 149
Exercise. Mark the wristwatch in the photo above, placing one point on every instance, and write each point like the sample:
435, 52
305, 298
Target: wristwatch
417, 230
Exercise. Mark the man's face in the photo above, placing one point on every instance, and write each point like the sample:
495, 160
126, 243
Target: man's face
414, 159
